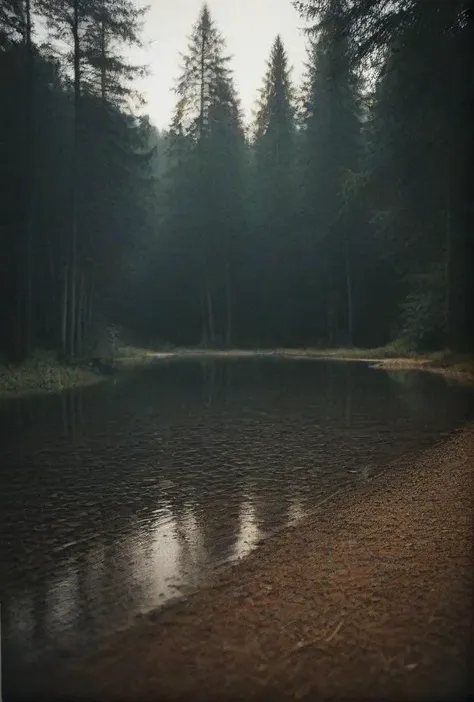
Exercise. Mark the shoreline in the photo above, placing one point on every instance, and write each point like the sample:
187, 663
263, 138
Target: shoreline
369, 597
452, 366
45, 376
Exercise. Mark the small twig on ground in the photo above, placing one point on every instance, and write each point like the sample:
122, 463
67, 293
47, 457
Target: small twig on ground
335, 632
303, 644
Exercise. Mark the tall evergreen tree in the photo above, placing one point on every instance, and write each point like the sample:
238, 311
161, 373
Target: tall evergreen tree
205, 142
12, 22
331, 150
115, 24
274, 143
89, 31
418, 172
41, 133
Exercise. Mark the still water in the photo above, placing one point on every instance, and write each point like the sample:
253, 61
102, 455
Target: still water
118, 498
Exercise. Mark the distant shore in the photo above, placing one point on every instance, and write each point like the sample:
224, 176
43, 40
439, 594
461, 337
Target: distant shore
369, 598
45, 374
456, 366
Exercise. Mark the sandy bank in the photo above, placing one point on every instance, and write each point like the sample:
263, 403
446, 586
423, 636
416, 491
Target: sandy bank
458, 371
372, 598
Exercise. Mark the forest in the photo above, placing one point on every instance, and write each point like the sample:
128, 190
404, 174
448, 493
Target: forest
341, 216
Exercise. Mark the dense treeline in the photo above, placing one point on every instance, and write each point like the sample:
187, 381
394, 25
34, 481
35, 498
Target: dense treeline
341, 216
348, 204
74, 179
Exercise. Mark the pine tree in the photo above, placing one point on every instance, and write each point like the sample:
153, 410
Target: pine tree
418, 171
114, 25
274, 142
331, 150
89, 35
274, 136
204, 157
226, 144
12, 23
16, 40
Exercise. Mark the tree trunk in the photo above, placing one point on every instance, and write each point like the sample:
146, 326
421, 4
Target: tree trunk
204, 235
75, 177
204, 330
349, 292
228, 290
80, 320
54, 285
90, 317
73, 313
29, 175
19, 343
449, 332
64, 312
210, 314
330, 312
85, 321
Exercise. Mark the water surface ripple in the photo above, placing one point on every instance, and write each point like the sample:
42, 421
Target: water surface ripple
116, 498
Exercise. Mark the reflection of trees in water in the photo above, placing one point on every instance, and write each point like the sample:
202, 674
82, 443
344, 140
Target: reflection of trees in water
217, 381
72, 414
18, 622
205, 523
208, 369
413, 390
216, 514
424, 397
66, 601
21, 629
271, 510
192, 555
348, 396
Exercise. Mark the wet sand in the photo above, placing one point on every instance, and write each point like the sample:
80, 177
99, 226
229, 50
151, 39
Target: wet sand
370, 598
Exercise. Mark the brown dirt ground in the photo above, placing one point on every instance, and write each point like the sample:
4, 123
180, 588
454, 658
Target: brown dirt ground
370, 599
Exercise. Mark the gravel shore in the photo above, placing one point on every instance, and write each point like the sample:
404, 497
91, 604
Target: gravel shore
372, 598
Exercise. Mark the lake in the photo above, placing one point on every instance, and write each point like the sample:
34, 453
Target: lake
118, 498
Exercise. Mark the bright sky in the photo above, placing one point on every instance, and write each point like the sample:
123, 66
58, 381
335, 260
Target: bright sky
249, 27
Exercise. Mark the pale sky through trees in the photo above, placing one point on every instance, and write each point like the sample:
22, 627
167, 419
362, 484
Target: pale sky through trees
249, 27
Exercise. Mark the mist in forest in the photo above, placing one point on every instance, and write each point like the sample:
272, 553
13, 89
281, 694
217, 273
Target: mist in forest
340, 215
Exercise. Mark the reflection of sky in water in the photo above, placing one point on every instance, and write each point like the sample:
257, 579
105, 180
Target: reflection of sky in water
151, 567
296, 511
249, 532
62, 600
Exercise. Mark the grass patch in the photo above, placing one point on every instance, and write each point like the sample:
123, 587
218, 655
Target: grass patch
40, 376
130, 357
396, 349
43, 373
